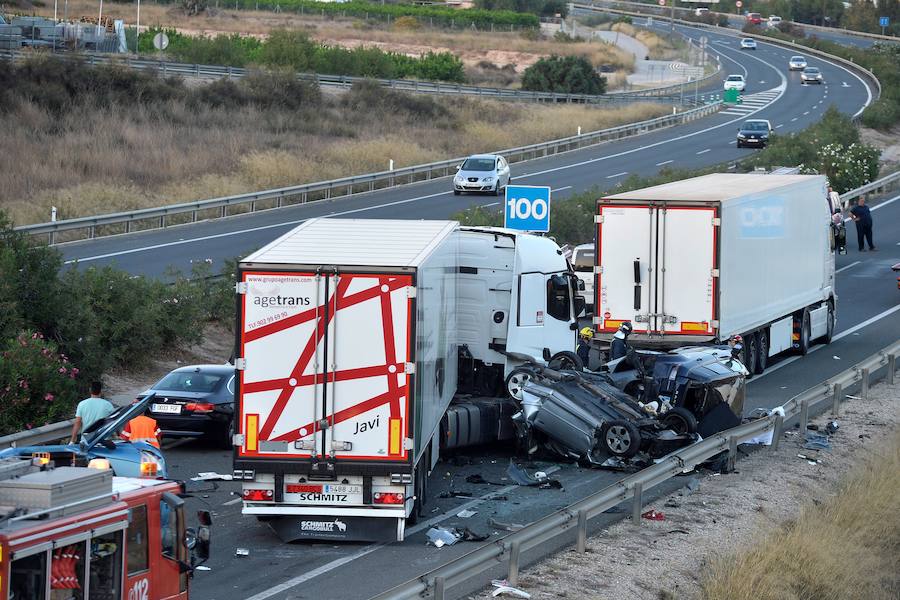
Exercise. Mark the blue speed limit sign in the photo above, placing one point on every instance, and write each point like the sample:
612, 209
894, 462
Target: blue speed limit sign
527, 208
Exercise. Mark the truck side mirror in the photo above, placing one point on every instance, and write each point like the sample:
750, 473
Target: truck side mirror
547, 355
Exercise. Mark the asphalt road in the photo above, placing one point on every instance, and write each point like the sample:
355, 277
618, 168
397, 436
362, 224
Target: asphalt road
322, 571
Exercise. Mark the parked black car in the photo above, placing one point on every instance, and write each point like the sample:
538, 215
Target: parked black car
196, 401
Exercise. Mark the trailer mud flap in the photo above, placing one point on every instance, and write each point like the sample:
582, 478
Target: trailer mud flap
352, 529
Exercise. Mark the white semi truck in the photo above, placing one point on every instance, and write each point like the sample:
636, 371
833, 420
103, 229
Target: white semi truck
352, 338
702, 259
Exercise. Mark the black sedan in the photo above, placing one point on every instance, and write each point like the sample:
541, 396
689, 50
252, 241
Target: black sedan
196, 402
754, 132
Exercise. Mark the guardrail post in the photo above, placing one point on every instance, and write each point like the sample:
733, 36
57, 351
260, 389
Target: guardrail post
836, 399
162, 221
581, 543
864, 375
637, 503
224, 211
891, 368
732, 454
512, 578
439, 588
91, 232
804, 416
52, 241
777, 431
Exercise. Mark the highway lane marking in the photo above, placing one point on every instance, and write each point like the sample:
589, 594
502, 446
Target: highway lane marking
230, 502
665, 162
806, 113
567, 187
290, 583
794, 119
844, 268
617, 175
779, 125
704, 151
490, 205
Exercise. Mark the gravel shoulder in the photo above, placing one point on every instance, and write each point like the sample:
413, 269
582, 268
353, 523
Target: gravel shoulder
667, 559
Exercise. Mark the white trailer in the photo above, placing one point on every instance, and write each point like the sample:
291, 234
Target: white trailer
702, 259
346, 364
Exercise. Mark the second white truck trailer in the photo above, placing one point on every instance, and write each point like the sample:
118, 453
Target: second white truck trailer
702, 259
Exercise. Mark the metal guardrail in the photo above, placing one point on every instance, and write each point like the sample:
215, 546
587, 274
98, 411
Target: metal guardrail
189, 212
167, 68
878, 186
508, 550
51, 432
647, 9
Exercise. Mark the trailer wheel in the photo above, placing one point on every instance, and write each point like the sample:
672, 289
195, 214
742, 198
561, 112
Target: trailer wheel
621, 438
762, 360
805, 334
680, 420
516, 381
829, 331
751, 352
565, 361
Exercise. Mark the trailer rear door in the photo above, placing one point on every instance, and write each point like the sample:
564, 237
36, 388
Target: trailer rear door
656, 268
309, 388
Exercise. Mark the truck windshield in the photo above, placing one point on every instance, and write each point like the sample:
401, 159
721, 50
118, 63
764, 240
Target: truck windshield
558, 297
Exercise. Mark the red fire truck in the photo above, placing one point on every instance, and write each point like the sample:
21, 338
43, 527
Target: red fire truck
78, 533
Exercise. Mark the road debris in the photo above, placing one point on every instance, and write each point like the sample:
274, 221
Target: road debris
202, 568
654, 515
441, 536
242, 552
466, 513
817, 441
504, 526
455, 494
211, 476
831, 427
502, 588
478, 479
467, 535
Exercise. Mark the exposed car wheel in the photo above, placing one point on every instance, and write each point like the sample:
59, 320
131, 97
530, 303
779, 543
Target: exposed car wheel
456, 192
227, 435
497, 189
829, 329
566, 361
762, 357
517, 380
751, 352
680, 420
805, 334
740, 145
621, 438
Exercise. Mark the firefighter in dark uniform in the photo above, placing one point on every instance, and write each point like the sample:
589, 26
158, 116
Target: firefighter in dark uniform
619, 346
584, 345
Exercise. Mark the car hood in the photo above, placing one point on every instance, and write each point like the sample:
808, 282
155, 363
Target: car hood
478, 174
118, 423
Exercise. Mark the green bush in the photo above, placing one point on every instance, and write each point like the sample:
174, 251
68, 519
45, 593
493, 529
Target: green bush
37, 383
881, 114
563, 75
544, 8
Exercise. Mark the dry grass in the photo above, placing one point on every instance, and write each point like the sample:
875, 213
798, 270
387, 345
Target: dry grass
847, 547
93, 160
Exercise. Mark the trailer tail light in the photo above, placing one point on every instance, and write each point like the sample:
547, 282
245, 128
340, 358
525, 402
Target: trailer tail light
199, 407
257, 495
388, 498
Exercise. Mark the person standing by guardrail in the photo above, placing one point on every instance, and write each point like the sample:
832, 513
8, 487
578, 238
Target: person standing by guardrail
862, 216
90, 410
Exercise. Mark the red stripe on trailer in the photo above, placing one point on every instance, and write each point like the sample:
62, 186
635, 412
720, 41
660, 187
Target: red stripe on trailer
318, 378
347, 413
302, 362
390, 350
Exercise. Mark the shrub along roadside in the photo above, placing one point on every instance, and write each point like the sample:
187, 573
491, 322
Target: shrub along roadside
295, 50
60, 330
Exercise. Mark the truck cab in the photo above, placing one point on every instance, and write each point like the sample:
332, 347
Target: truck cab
79, 532
517, 301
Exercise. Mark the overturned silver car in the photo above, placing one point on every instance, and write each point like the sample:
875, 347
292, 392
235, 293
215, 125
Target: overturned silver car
649, 402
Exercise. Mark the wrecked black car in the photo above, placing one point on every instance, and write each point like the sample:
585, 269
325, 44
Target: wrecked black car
646, 402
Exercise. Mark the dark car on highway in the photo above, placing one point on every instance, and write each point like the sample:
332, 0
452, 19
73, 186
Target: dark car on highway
754, 132
196, 402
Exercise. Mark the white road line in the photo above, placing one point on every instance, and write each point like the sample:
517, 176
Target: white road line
230, 502
567, 187
779, 125
665, 162
806, 113
704, 151
794, 119
845, 267
617, 175
490, 205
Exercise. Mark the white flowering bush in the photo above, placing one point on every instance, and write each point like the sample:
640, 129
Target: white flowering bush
848, 167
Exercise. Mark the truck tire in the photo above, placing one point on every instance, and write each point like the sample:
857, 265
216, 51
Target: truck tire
680, 420
805, 342
829, 330
751, 352
620, 438
516, 380
762, 358
565, 360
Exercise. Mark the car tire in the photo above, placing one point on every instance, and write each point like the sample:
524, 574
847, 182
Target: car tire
565, 360
227, 435
456, 192
740, 145
680, 420
620, 438
516, 380
497, 189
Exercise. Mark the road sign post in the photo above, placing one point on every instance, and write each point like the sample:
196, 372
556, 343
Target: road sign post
527, 208
884, 22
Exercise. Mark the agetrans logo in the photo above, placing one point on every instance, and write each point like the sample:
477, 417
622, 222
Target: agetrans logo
765, 219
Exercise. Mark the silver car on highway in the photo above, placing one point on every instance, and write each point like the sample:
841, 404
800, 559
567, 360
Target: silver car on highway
482, 173
797, 63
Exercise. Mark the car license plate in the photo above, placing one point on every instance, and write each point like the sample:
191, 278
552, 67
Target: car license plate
172, 409
326, 492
